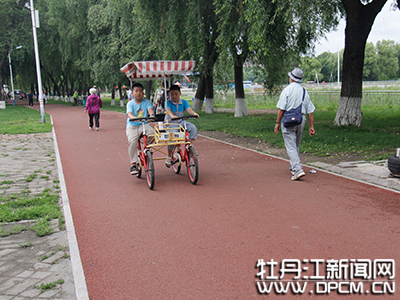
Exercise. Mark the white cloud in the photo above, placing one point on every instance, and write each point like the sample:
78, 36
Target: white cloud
386, 27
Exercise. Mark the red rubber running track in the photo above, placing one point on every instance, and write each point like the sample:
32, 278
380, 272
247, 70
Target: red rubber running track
184, 241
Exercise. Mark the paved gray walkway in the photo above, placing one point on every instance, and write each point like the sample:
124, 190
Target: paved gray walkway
23, 262
375, 172
26, 260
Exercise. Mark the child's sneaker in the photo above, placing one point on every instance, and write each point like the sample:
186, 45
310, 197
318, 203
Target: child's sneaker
133, 170
90, 128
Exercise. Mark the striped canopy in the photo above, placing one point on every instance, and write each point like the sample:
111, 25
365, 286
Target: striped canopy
147, 70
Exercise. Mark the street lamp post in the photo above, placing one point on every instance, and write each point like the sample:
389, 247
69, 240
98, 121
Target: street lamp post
11, 75
35, 24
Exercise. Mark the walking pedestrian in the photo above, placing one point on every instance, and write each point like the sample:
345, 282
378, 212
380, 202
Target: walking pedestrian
161, 98
75, 96
44, 97
93, 105
30, 99
292, 97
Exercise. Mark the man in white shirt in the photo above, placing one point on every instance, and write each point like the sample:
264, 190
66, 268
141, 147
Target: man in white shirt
290, 98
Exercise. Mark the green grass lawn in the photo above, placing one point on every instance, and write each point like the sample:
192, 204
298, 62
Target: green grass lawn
41, 208
22, 206
20, 119
377, 138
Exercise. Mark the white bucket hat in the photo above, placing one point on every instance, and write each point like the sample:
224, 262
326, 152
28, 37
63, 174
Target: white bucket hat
296, 75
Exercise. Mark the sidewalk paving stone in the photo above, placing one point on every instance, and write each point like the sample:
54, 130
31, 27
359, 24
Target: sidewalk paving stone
22, 269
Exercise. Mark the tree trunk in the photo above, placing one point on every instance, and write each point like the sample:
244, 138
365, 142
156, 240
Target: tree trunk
240, 107
64, 83
349, 112
71, 91
120, 91
148, 90
205, 89
359, 21
2, 63
198, 101
113, 95
209, 94
46, 86
121, 98
56, 87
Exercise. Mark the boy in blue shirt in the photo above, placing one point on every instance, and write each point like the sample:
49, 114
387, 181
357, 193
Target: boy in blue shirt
176, 108
137, 108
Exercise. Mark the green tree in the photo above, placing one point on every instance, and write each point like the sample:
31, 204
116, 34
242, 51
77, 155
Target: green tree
234, 33
281, 30
223, 72
329, 66
360, 16
68, 20
397, 47
381, 62
387, 61
165, 26
253, 73
104, 55
202, 35
160, 31
312, 69
370, 63
15, 25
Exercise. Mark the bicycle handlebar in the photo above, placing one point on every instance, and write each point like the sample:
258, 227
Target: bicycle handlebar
142, 119
184, 118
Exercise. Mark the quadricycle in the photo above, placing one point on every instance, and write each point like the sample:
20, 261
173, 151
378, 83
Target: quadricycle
166, 134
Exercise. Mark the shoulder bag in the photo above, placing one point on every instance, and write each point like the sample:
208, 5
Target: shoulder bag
294, 116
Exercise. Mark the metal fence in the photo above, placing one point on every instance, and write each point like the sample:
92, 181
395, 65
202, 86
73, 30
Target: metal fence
318, 97
369, 97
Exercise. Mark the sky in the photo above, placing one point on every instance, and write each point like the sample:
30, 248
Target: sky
386, 27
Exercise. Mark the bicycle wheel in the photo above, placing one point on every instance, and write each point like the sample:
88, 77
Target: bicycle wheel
192, 165
139, 167
149, 168
139, 164
176, 160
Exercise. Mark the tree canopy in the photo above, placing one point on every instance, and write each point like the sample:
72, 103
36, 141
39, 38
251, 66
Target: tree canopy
360, 16
15, 28
86, 42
